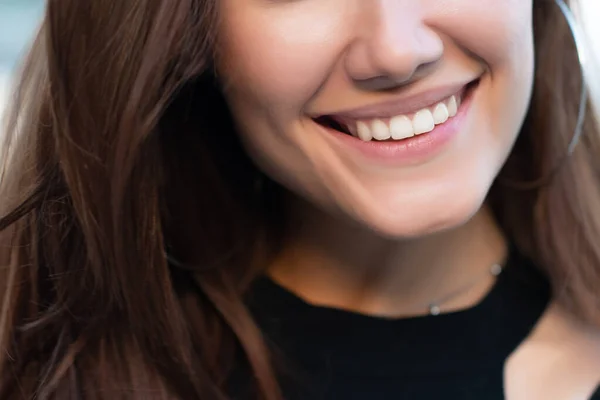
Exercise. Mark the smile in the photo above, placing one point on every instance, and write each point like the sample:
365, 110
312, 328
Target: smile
402, 133
400, 126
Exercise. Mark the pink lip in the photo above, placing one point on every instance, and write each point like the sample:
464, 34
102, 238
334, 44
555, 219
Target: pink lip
406, 105
412, 151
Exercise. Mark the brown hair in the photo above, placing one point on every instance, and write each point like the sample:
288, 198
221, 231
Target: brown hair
125, 248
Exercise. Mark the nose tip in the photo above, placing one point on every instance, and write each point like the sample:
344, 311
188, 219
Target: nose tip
396, 48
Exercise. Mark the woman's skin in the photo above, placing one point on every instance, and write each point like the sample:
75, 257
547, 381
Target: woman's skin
387, 238
411, 228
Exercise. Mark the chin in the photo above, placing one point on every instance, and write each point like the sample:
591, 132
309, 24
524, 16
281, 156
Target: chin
423, 220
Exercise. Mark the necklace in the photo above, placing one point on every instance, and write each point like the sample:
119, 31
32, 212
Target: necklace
435, 306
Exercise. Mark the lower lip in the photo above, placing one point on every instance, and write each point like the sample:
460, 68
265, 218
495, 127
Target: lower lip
411, 151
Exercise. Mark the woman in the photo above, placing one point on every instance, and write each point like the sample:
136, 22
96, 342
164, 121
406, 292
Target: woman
310, 199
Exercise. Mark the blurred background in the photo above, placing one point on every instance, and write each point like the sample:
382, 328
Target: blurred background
19, 20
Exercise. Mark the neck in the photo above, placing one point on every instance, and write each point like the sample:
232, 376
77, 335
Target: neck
332, 262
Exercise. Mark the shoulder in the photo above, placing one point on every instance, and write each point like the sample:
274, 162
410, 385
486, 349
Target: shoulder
560, 360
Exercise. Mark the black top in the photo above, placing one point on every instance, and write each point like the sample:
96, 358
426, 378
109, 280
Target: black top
326, 353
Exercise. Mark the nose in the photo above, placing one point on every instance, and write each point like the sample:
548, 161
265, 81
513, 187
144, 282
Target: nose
393, 46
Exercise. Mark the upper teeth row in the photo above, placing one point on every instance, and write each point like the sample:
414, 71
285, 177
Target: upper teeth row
404, 126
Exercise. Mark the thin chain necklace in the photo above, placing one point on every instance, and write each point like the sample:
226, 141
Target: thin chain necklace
435, 306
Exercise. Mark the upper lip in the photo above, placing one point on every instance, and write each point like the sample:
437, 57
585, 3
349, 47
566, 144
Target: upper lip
402, 105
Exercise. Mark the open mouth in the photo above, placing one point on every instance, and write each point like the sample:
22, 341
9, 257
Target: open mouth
400, 127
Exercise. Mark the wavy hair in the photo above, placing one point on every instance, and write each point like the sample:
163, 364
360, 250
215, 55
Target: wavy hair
127, 240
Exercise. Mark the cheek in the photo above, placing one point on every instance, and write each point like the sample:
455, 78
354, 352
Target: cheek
281, 55
499, 32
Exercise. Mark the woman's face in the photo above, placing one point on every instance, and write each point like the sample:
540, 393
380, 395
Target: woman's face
395, 113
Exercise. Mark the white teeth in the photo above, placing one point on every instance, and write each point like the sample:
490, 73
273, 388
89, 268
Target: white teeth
440, 114
352, 129
452, 106
363, 130
401, 127
380, 130
423, 122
